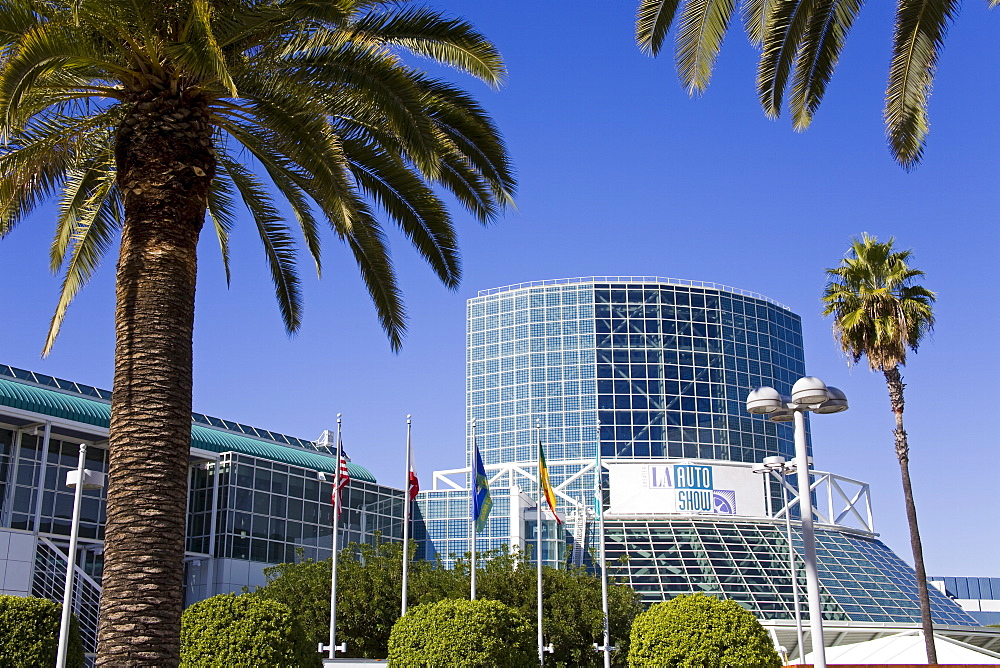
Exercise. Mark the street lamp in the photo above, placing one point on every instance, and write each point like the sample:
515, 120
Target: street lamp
808, 394
79, 480
778, 465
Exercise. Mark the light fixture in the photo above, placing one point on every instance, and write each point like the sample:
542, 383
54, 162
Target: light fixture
784, 415
835, 404
764, 400
809, 391
808, 394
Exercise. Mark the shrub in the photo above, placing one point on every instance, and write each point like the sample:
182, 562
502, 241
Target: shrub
700, 631
455, 632
246, 630
29, 633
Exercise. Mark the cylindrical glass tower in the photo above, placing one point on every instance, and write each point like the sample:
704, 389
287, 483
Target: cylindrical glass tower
662, 365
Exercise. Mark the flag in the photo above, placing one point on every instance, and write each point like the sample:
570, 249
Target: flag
481, 501
336, 498
412, 484
543, 480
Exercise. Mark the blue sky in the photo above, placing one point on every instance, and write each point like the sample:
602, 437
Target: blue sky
622, 174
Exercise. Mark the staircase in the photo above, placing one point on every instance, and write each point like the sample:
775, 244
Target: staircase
50, 581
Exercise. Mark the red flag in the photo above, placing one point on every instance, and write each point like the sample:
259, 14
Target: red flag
414, 484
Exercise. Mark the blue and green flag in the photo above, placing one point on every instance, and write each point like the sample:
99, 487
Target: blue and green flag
481, 501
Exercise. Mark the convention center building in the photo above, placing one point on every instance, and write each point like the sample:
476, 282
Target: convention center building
257, 498
655, 373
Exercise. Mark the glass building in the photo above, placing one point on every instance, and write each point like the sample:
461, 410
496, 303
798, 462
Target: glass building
654, 372
980, 597
256, 497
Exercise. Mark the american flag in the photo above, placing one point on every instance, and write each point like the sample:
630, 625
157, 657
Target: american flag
345, 477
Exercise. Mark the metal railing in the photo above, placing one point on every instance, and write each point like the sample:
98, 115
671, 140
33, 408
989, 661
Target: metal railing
50, 581
683, 282
838, 501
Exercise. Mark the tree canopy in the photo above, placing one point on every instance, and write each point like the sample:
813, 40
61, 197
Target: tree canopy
369, 585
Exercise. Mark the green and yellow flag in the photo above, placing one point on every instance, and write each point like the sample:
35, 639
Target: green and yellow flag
543, 480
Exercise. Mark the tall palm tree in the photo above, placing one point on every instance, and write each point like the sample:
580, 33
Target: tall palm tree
879, 312
800, 43
141, 117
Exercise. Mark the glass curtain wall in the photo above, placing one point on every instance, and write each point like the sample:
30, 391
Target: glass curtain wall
662, 366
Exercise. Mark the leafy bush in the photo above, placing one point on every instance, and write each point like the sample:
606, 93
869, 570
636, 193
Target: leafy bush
29, 633
571, 605
370, 579
246, 630
456, 632
702, 631
369, 582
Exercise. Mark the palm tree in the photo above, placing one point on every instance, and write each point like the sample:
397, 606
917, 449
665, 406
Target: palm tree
141, 117
800, 43
879, 312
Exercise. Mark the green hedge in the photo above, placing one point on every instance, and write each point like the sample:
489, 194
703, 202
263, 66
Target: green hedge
702, 631
230, 630
467, 634
29, 633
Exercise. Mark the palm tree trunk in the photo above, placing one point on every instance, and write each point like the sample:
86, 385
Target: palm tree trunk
895, 383
165, 165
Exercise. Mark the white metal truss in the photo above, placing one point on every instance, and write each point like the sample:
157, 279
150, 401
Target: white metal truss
513, 475
839, 501
836, 498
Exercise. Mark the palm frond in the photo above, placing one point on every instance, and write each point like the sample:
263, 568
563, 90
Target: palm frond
917, 41
412, 205
367, 242
221, 204
39, 159
428, 33
757, 18
248, 28
371, 78
279, 245
782, 39
96, 224
45, 49
299, 203
198, 52
17, 17
322, 174
468, 131
699, 37
652, 23
822, 43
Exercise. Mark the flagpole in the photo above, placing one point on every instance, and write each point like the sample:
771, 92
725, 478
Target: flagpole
599, 480
333, 560
406, 516
472, 509
538, 547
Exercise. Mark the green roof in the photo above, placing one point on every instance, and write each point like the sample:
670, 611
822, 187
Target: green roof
98, 413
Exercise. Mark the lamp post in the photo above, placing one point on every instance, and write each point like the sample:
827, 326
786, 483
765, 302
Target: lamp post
808, 394
778, 465
79, 480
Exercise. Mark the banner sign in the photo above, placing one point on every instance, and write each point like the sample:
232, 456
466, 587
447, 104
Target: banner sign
685, 487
